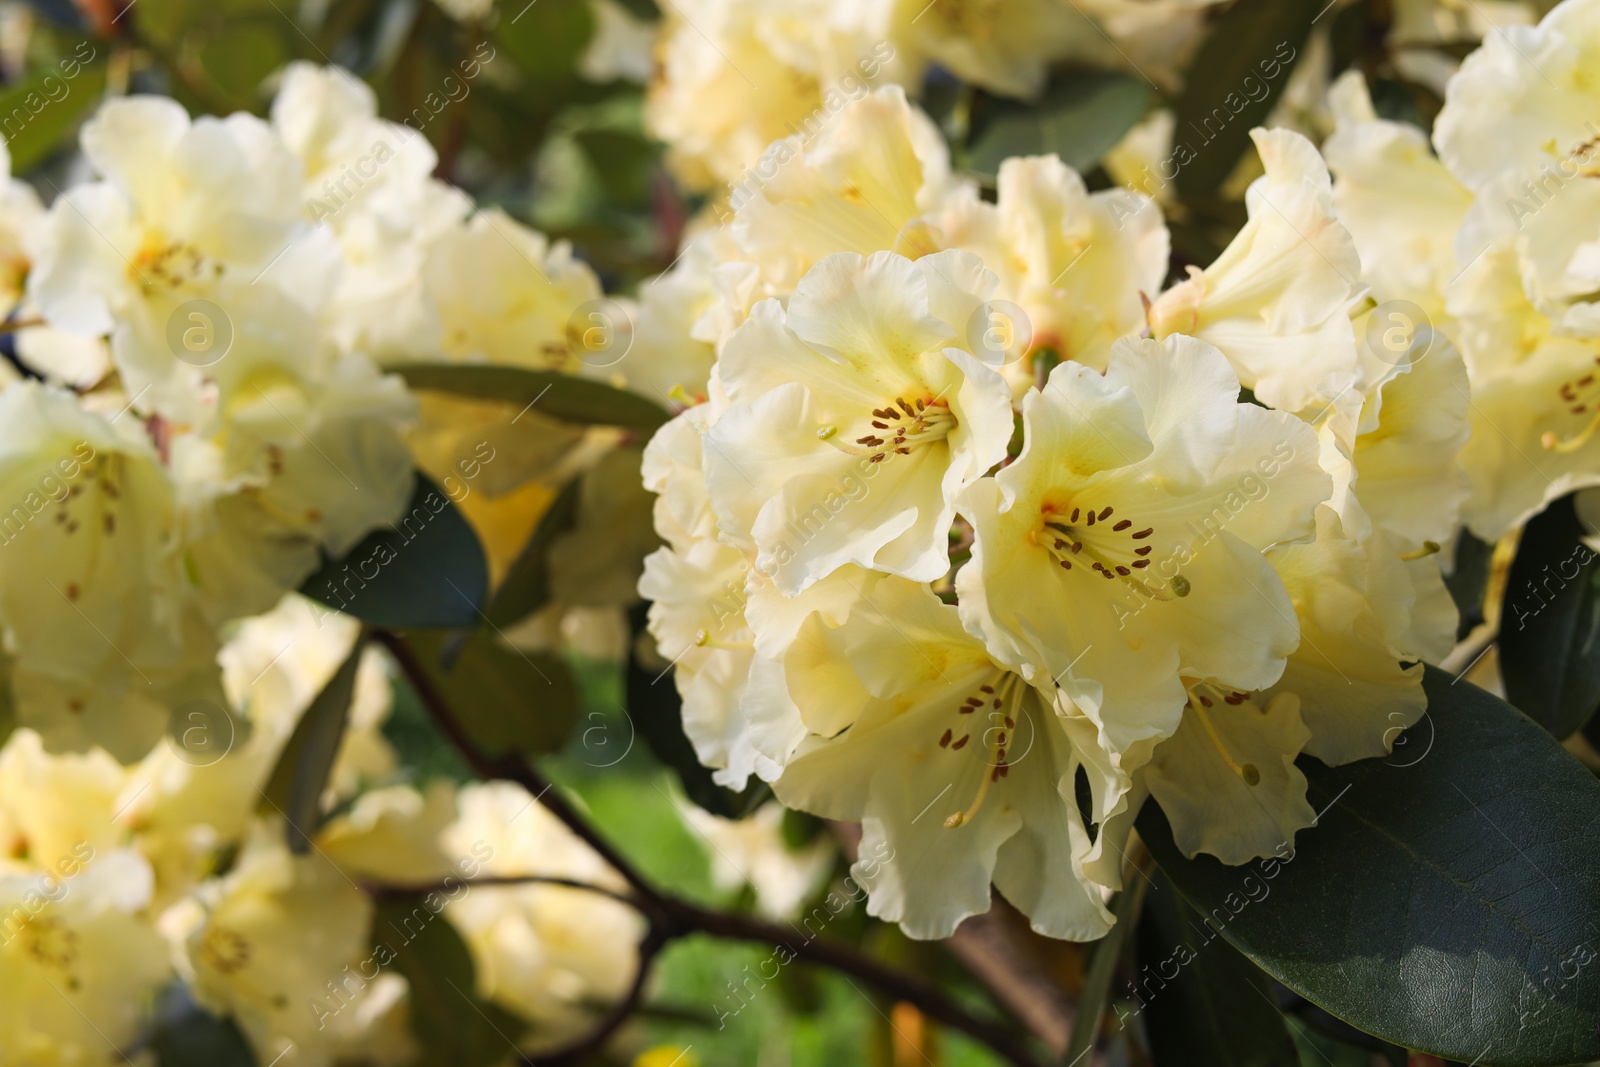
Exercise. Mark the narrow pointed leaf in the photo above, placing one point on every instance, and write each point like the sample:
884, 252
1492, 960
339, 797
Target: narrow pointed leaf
558, 396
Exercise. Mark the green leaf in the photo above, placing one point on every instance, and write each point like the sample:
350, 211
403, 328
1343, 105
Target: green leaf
1447, 902
559, 396
509, 701
1232, 85
1203, 1004
526, 586
297, 783
1469, 579
1079, 117
1550, 623
425, 571
39, 112
545, 38
451, 1023
239, 57
183, 1034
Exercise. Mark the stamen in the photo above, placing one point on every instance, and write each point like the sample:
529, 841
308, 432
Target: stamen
1246, 771
1428, 548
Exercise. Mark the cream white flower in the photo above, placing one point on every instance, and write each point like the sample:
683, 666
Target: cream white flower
1123, 548
1078, 264
862, 184
735, 75
622, 45
1398, 201
752, 851
92, 591
181, 205
274, 943
855, 419
503, 294
1003, 47
80, 963
960, 772
20, 218
1277, 301
371, 183
1517, 129
548, 953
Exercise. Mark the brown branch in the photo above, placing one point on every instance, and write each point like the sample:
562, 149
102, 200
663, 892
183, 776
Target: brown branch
422, 890
670, 918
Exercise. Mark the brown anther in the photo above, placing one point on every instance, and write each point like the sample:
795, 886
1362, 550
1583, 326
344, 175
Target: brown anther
1142, 534
1142, 550
1105, 514
1122, 524
1074, 515
1091, 518
1139, 564
944, 742
961, 744
1123, 570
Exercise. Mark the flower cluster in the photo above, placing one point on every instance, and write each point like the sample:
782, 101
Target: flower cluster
979, 537
117, 880
736, 75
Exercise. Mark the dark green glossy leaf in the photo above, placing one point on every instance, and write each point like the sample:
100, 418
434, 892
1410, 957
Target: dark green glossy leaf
1468, 580
1079, 117
1550, 623
426, 571
1449, 899
39, 112
526, 586
297, 783
559, 396
451, 1023
1203, 1004
509, 701
545, 39
183, 1034
1232, 85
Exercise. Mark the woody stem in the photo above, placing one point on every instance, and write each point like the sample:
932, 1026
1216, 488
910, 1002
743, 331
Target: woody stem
670, 918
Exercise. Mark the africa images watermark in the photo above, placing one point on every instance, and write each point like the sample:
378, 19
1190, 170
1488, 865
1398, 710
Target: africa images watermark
1211, 126
1255, 890
1580, 556
52, 89
359, 572
52, 888
55, 486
